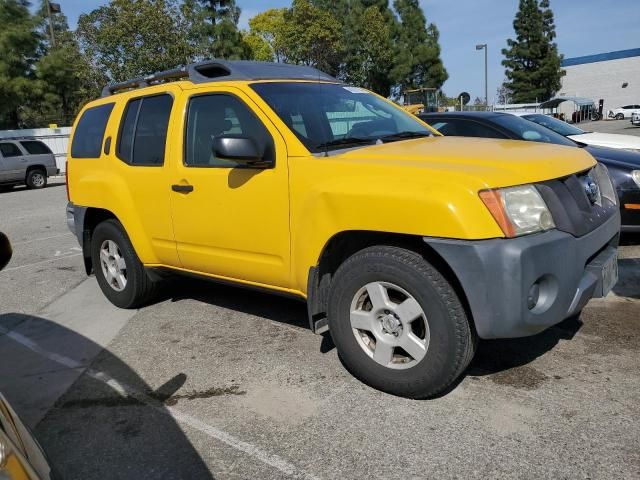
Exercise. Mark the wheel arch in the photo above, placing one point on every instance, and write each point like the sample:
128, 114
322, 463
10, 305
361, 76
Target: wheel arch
92, 218
344, 244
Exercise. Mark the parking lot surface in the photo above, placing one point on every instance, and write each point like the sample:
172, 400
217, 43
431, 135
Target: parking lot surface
220, 382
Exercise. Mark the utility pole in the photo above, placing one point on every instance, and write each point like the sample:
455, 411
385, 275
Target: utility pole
56, 8
483, 46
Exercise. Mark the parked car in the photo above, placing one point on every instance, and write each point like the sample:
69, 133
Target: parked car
610, 140
635, 119
26, 161
21, 457
624, 112
623, 165
248, 172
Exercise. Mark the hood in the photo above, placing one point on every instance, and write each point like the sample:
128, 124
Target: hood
611, 140
615, 156
494, 163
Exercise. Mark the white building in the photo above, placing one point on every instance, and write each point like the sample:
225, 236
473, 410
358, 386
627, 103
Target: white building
613, 77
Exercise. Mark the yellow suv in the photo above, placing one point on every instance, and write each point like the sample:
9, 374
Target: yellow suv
406, 245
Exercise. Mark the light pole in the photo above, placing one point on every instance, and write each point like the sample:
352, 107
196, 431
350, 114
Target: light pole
483, 46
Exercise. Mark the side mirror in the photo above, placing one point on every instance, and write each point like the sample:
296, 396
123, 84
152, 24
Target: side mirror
5, 250
240, 149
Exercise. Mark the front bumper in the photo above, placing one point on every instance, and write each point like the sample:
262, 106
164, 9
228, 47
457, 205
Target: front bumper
497, 275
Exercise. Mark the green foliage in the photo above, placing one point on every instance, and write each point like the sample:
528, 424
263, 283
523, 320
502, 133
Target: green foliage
19, 43
417, 49
265, 35
214, 29
369, 50
532, 60
312, 36
129, 38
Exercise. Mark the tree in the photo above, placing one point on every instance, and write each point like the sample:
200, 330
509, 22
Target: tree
18, 44
130, 38
369, 50
532, 62
503, 93
265, 35
215, 24
312, 36
64, 77
417, 50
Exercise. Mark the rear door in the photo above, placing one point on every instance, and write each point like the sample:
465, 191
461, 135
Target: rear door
14, 163
38, 153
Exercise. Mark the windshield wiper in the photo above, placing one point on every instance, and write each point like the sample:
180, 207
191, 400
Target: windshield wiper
403, 136
340, 142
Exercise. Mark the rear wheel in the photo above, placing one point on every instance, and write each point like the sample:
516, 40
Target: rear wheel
36, 178
398, 324
120, 274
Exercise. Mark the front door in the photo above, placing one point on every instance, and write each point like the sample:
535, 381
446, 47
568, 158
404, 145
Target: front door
229, 220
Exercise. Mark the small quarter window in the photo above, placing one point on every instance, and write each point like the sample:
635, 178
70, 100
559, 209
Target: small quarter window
143, 132
89, 133
10, 150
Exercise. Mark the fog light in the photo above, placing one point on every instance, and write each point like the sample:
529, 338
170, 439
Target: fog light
533, 296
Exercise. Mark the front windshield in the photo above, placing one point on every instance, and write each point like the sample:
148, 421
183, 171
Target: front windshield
530, 131
329, 116
558, 126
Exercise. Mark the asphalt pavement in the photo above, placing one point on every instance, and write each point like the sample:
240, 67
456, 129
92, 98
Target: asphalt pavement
219, 382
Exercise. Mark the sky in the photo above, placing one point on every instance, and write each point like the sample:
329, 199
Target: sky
584, 27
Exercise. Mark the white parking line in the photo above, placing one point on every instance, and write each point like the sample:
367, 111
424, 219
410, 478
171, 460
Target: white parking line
252, 450
42, 239
19, 267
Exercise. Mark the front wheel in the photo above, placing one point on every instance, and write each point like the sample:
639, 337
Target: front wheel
398, 324
120, 274
620, 116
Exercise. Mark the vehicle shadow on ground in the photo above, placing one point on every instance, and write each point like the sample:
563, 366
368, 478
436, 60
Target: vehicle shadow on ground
492, 357
23, 188
109, 423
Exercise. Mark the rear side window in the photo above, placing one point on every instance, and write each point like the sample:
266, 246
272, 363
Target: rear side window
143, 130
89, 133
35, 147
10, 150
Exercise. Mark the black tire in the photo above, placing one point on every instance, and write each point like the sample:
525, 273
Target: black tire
620, 116
139, 289
453, 341
36, 179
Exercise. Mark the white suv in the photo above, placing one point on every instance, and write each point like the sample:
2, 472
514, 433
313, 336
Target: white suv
624, 112
635, 119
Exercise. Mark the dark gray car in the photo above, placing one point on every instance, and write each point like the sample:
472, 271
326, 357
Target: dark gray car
26, 162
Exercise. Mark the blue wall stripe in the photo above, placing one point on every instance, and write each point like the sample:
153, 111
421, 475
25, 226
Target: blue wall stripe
601, 57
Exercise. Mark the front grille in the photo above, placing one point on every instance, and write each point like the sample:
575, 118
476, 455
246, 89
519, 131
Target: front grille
570, 204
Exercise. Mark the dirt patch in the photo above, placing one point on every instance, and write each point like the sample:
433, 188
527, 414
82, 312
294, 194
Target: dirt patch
525, 377
612, 326
211, 392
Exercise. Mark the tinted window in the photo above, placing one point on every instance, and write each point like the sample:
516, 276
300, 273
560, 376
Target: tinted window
211, 116
35, 148
558, 126
10, 150
528, 130
143, 132
466, 128
321, 113
89, 133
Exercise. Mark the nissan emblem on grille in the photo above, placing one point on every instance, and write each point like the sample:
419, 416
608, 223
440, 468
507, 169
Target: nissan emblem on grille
591, 189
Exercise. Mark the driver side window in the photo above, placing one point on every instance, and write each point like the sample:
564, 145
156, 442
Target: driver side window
216, 115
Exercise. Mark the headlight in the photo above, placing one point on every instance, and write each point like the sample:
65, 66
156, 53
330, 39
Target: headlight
602, 178
518, 210
635, 174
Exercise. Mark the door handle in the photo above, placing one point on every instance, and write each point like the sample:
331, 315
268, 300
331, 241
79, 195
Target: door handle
182, 188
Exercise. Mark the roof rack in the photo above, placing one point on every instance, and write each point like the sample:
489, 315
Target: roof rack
224, 70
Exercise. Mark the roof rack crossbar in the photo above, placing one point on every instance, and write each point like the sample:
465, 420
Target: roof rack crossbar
221, 70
